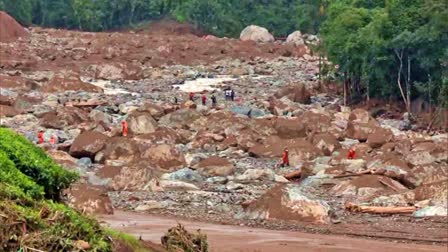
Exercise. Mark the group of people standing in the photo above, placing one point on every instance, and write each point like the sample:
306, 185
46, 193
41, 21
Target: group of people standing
228, 93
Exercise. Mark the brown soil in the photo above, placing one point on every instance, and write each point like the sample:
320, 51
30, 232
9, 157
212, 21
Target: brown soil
240, 238
10, 30
170, 27
367, 181
78, 50
109, 171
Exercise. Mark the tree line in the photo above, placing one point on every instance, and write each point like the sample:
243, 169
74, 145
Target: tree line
220, 17
382, 48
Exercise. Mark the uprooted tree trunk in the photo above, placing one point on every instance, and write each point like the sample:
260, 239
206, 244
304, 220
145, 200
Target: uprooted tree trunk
406, 96
379, 210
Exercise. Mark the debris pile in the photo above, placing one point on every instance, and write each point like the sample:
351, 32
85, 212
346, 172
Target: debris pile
179, 239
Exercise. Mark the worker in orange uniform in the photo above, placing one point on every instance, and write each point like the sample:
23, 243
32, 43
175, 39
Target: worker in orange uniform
351, 154
40, 137
285, 158
124, 128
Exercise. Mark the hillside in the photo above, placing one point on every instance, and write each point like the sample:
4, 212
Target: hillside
29, 219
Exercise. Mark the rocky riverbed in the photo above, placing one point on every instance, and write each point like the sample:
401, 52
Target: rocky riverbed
214, 163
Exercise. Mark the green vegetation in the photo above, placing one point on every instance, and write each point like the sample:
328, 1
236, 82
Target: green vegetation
221, 17
391, 49
18, 154
28, 221
127, 240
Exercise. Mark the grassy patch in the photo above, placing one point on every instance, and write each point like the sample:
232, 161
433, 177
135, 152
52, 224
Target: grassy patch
128, 240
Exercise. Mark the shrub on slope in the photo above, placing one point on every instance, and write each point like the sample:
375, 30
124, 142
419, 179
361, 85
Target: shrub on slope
34, 163
28, 221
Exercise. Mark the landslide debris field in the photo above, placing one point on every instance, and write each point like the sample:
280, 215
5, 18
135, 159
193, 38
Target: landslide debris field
217, 164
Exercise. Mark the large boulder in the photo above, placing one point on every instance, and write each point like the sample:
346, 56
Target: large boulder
182, 118
366, 187
63, 117
8, 111
290, 128
89, 199
184, 174
215, 166
165, 157
141, 123
133, 176
257, 34
68, 81
326, 142
360, 116
10, 29
300, 149
162, 135
116, 71
253, 175
287, 202
295, 38
361, 131
119, 150
154, 110
87, 144
437, 192
296, 93
379, 137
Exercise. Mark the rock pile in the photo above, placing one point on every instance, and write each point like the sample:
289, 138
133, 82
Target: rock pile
219, 162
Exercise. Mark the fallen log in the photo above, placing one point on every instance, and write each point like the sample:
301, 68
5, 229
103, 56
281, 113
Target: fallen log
293, 175
379, 210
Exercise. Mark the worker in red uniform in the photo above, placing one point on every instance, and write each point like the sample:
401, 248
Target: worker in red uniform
40, 137
204, 100
124, 128
285, 158
191, 96
53, 139
351, 154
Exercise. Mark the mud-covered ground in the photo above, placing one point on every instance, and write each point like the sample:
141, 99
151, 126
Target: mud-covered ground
219, 164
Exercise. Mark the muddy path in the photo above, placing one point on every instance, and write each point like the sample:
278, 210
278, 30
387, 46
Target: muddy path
238, 238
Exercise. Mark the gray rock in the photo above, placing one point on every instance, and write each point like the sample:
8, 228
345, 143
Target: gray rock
244, 110
217, 180
234, 186
84, 162
432, 211
185, 174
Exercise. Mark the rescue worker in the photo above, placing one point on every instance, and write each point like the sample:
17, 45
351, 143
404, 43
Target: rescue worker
124, 128
249, 113
175, 100
204, 100
191, 96
213, 98
227, 93
232, 95
53, 139
351, 154
285, 158
40, 137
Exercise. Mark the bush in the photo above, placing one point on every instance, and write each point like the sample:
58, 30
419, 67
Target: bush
11, 175
49, 226
34, 163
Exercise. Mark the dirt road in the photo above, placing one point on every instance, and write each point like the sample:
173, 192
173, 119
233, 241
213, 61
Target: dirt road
234, 238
